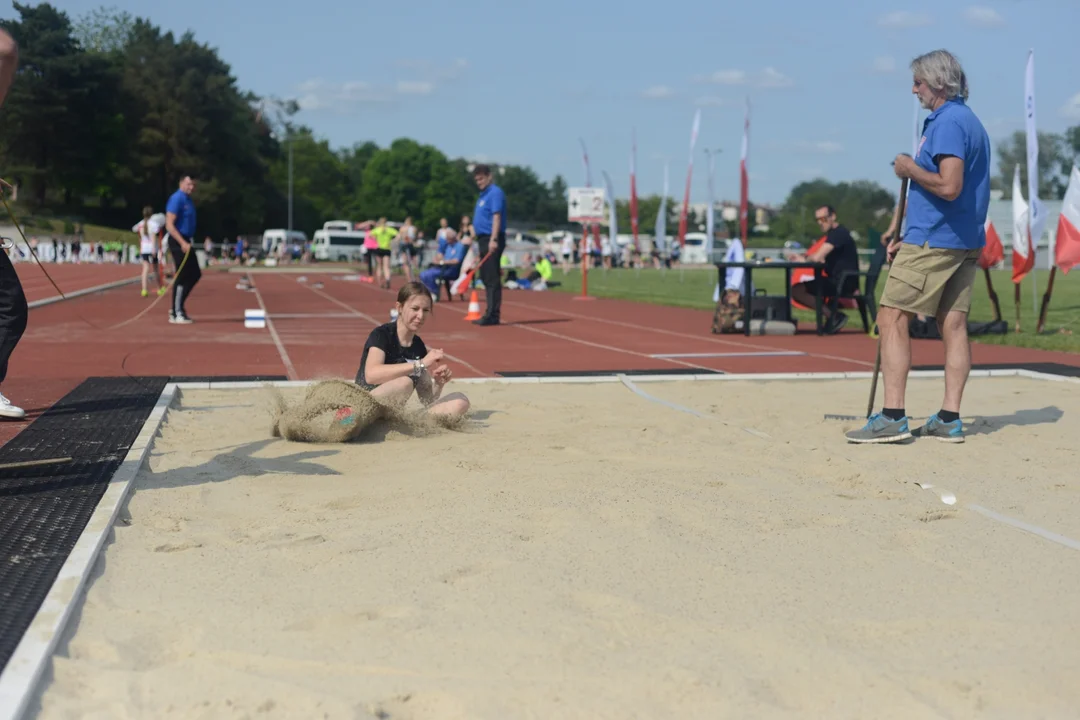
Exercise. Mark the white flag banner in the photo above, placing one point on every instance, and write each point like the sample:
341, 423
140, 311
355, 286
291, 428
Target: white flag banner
613, 229
1020, 219
710, 211
1037, 209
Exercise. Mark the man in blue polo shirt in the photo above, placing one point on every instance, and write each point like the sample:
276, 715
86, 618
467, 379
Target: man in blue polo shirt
180, 226
489, 221
934, 265
447, 263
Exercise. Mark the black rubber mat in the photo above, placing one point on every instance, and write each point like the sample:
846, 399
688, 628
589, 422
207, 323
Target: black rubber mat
605, 373
1048, 368
44, 507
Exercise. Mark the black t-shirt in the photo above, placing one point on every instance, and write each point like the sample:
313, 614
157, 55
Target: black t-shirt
385, 338
844, 257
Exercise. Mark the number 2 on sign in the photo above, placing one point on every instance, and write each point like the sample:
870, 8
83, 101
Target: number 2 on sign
597, 203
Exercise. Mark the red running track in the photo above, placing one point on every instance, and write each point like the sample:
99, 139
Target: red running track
70, 277
319, 332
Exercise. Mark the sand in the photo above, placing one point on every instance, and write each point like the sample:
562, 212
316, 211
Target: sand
581, 552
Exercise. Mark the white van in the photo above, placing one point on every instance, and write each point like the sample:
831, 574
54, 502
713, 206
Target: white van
272, 238
695, 250
338, 245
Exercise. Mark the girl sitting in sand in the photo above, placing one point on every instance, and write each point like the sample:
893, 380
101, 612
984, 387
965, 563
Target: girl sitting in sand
396, 361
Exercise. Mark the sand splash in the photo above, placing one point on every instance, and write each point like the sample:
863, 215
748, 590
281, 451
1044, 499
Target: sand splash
339, 411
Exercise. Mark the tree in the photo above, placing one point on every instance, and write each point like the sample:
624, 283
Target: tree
860, 206
105, 30
1055, 163
58, 115
1072, 146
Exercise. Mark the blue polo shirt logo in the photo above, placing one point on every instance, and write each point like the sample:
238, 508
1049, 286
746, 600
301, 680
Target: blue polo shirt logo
952, 129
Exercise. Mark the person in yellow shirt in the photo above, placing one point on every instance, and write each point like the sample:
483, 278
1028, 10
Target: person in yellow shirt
384, 236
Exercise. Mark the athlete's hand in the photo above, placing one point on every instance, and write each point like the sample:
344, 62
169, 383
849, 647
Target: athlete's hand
442, 374
432, 359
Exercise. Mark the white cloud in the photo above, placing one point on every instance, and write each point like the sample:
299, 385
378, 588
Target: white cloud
658, 92
769, 77
727, 77
435, 71
317, 94
415, 87
884, 64
709, 101
904, 20
1071, 109
983, 17
827, 147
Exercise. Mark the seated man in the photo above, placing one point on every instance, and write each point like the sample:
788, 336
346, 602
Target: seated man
446, 265
729, 303
840, 255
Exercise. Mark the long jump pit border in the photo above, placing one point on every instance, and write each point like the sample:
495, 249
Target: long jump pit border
811, 585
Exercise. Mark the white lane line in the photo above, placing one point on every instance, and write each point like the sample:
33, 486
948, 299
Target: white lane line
79, 293
23, 672
778, 353
675, 333
1027, 527
375, 322
290, 371
632, 386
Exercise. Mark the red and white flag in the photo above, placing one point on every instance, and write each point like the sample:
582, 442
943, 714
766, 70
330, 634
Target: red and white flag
744, 179
689, 175
1023, 257
1067, 243
993, 252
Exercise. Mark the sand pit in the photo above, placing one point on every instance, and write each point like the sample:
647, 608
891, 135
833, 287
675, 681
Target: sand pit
582, 552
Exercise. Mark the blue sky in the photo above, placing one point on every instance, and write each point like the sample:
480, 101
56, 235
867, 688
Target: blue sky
520, 82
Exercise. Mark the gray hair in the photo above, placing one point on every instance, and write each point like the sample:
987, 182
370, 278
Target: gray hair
941, 71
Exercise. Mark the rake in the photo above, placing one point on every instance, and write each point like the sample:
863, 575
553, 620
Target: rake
877, 360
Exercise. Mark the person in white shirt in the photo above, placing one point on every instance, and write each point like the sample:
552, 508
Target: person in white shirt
567, 251
729, 304
149, 230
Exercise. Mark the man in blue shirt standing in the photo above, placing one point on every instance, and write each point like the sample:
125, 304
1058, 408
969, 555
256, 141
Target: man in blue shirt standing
934, 265
489, 221
180, 226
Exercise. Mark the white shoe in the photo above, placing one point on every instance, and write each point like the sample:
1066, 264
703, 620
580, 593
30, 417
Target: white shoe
180, 320
10, 411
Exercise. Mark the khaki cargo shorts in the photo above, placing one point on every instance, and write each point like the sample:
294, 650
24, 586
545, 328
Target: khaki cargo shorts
930, 281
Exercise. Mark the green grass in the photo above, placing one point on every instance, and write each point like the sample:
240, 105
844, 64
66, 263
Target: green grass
693, 288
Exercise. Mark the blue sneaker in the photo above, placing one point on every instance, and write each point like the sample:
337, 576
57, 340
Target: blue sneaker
952, 432
880, 429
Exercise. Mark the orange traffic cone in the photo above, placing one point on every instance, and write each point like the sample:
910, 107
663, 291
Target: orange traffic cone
474, 307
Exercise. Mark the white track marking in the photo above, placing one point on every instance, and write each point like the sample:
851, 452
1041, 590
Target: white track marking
290, 371
375, 322
675, 333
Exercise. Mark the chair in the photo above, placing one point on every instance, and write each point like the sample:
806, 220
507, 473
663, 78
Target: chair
865, 301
